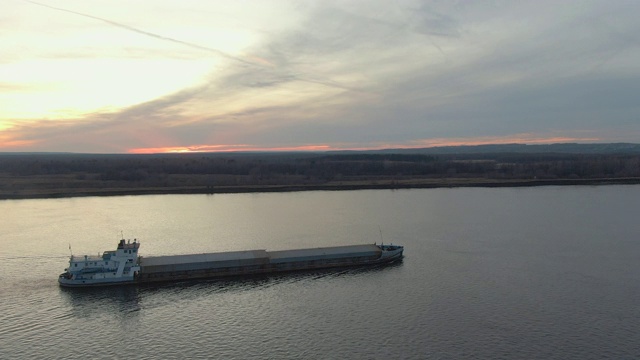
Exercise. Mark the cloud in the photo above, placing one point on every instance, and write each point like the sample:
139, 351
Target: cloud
388, 73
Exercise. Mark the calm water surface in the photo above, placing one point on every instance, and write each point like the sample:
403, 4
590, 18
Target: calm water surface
540, 273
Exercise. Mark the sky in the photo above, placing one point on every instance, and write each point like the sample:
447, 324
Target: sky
185, 76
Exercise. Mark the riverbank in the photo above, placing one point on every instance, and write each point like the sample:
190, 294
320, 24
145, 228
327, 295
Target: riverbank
42, 193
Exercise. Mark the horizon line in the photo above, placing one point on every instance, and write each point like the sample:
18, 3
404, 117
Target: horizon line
221, 149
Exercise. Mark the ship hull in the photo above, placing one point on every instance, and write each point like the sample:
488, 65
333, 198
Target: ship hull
90, 283
247, 263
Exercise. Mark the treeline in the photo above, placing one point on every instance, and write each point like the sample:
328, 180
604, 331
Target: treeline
47, 172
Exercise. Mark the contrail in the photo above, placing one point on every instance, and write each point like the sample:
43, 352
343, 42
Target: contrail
165, 38
327, 83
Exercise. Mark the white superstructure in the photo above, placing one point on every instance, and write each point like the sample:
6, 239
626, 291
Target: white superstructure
113, 267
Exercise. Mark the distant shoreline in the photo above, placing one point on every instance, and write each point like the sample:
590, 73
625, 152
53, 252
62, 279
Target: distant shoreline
38, 176
337, 186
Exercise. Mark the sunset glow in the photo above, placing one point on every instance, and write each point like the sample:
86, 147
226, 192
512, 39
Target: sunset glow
226, 148
424, 143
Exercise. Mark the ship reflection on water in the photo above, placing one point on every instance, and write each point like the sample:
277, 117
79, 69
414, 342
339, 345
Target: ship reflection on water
87, 302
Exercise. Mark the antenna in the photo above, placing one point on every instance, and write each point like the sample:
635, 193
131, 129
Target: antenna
71, 252
381, 239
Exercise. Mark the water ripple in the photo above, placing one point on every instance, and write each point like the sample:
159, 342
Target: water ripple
527, 279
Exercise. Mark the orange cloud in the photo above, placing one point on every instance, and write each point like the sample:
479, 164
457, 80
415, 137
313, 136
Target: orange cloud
9, 143
17, 144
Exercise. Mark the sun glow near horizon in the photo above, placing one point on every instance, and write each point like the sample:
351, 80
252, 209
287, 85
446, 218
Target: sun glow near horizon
528, 139
226, 148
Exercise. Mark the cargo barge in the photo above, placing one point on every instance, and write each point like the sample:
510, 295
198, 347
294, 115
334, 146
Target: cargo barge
125, 266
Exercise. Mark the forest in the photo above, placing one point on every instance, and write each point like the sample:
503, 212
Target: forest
49, 174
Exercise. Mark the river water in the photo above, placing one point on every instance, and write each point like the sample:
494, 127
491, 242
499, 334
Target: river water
539, 273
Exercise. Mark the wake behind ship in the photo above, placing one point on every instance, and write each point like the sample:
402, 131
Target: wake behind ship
125, 266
